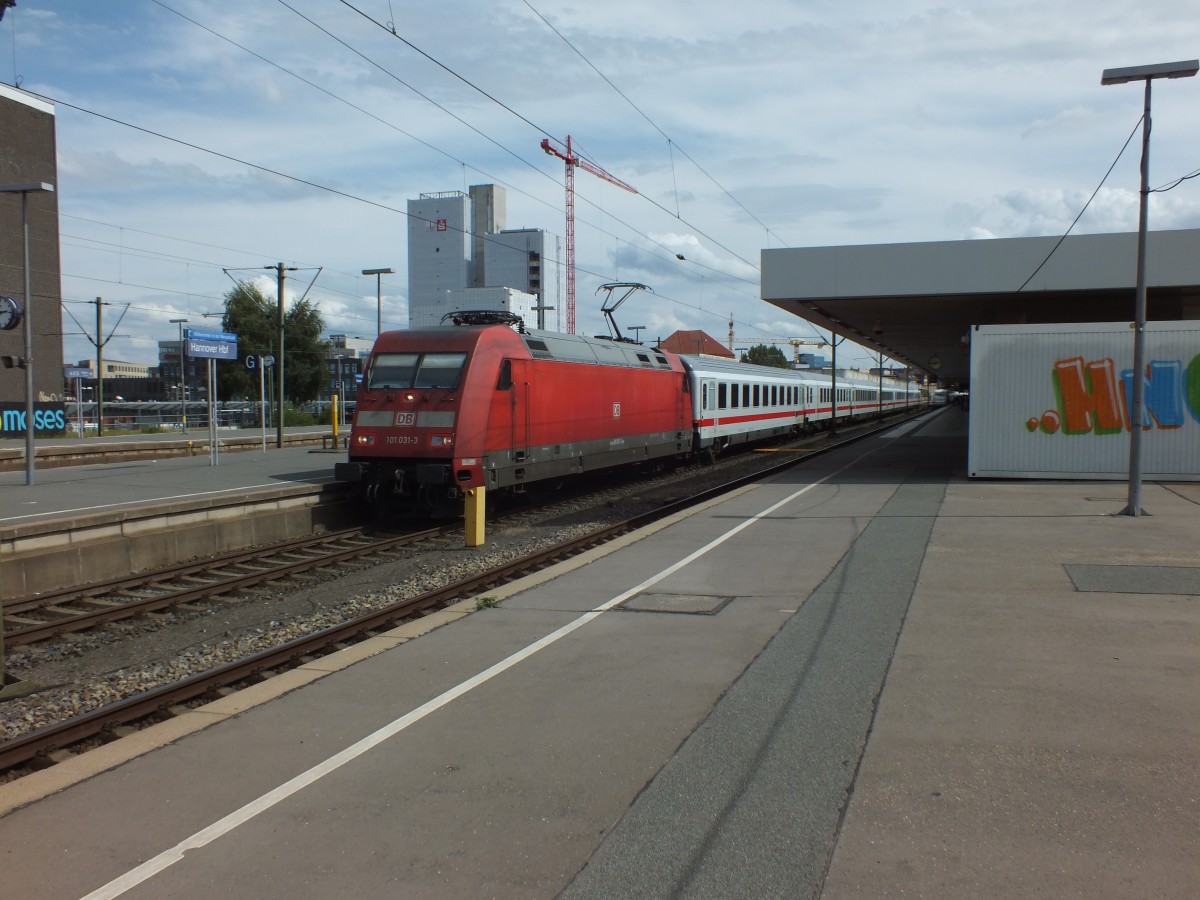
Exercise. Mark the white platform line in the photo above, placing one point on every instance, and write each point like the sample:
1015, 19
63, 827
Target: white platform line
206, 836
905, 428
124, 503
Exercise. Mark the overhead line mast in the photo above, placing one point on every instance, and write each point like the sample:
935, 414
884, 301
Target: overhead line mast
572, 161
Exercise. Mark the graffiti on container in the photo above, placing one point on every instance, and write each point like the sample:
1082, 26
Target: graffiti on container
1092, 400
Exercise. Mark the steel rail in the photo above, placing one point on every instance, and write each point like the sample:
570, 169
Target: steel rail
38, 744
19, 629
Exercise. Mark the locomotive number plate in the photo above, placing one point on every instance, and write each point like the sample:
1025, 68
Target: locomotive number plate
406, 418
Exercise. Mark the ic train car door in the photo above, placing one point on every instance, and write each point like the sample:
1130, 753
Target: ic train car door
707, 413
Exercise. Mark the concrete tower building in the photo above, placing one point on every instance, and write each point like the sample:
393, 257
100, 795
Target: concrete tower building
460, 257
440, 253
529, 260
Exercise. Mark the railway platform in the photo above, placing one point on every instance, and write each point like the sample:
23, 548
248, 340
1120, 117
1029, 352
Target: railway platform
124, 446
106, 481
138, 504
866, 677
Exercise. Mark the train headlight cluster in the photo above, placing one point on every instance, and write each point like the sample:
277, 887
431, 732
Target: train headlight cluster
443, 440
364, 440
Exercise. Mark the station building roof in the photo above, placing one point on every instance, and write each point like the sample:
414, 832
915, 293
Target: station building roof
697, 343
917, 302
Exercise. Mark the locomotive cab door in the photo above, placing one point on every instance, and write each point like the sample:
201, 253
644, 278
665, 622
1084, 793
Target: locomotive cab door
515, 376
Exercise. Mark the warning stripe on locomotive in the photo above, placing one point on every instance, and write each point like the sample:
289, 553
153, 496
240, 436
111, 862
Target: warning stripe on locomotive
387, 418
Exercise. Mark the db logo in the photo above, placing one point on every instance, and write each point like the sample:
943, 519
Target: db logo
406, 418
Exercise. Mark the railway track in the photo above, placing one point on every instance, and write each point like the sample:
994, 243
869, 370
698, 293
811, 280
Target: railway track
183, 586
37, 618
51, 743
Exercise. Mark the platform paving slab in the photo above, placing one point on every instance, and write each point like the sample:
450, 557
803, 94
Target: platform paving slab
1034, 739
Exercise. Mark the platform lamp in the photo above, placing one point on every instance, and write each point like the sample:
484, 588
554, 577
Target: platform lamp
182, 372
27, 363
1137, 411
15, 688
378, 273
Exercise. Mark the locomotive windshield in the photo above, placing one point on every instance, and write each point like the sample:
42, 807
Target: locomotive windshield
400, 371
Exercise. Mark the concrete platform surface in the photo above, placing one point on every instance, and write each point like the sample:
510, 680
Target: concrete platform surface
1033, 739
89, 490
867, 677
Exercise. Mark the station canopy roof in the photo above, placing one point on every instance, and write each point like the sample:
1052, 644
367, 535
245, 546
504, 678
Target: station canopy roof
918, 302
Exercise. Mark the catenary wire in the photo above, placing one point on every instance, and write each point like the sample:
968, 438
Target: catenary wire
670, 143
627, 225
1058, 243
531, 124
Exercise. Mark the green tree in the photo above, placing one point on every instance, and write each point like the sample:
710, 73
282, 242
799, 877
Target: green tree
252, 317
762, 355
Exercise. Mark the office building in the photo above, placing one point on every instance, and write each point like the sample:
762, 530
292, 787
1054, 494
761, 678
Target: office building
460, 256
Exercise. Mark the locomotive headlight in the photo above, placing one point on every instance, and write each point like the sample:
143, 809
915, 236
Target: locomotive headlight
443, 440
410, 397
364, 440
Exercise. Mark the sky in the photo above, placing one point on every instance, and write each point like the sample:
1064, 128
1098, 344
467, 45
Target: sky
201, 142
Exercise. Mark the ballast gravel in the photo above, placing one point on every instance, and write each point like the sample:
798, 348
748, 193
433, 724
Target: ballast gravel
78, 673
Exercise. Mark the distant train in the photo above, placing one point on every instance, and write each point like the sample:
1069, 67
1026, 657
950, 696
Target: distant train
443, 410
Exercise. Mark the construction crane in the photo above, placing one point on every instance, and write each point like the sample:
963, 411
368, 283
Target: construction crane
796, 344
572, 161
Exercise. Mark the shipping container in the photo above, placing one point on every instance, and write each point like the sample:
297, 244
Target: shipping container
1052, 401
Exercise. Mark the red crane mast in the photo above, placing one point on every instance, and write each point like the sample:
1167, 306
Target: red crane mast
572, 161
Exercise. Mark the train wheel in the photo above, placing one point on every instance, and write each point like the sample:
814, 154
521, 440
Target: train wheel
436, 504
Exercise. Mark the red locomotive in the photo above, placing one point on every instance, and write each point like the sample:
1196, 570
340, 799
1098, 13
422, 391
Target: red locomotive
441, 410
485, 403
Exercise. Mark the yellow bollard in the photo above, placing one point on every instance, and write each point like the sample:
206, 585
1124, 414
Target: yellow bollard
473, 515
334, 413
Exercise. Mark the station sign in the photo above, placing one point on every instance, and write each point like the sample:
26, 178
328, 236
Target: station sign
211, 344
76, 372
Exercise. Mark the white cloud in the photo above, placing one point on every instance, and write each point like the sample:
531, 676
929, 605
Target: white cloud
829, 123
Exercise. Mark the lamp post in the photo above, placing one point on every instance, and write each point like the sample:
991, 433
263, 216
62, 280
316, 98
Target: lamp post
280, 323
24, 190
378, 273
879, 405
341, 380
6, 689
1137, 411
182, 373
